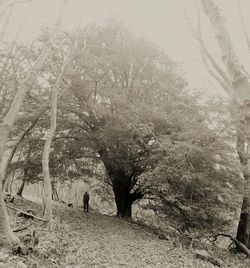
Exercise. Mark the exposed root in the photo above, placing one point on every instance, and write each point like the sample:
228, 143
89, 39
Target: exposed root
236, 242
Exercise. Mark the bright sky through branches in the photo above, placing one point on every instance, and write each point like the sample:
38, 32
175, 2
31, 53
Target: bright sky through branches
161, 21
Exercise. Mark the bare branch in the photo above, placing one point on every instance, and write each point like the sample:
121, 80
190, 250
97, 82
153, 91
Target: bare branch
26, 213
22, 228
228, 89
207, 53
244, 26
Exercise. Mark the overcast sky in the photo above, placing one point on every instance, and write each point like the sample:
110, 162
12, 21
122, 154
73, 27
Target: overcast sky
161, 21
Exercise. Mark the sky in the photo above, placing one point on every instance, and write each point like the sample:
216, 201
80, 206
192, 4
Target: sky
161, 21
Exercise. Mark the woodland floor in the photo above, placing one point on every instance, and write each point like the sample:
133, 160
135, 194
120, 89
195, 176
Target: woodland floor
93, 240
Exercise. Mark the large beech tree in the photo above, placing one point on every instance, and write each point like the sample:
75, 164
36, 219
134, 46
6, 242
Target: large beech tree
122, 107
110, 104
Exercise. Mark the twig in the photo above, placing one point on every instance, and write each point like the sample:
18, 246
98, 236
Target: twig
22, 228
26, 213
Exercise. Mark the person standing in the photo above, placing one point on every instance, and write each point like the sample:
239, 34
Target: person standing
86, 202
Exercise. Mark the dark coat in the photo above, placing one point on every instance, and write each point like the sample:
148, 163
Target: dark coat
86, 197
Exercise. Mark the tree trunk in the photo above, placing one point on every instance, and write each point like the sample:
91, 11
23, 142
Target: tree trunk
47, 187
122, 186
122, 201
242, 150
4, 166
54, 191
244, 223
20, 190
25, 172
7, 238
236, 78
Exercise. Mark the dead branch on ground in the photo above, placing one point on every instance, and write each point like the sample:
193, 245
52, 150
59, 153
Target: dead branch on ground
26, 213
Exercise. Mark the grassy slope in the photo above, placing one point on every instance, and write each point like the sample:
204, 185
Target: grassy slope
93, 240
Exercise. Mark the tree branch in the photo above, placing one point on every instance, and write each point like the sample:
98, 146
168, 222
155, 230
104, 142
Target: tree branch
26, 213
244, 26
206, 52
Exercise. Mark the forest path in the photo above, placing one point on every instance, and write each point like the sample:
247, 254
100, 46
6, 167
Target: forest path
93, 240
105, 241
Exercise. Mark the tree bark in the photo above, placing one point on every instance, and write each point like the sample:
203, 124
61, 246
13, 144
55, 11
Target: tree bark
122, 201
20, 190
7, 238
243, 226
238, 78
25, 172
122, 186
47, 186
54, 191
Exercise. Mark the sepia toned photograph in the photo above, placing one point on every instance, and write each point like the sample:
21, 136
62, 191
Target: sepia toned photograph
124, 133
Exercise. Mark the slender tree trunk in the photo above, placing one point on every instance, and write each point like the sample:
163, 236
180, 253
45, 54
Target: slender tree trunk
25, 171
47, 187
54, 191
21, 188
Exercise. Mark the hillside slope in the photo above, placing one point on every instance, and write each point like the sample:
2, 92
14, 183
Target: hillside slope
93, 240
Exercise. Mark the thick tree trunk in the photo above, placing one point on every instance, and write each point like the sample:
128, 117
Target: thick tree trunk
124, 199
123, 202
4, 166
122, 186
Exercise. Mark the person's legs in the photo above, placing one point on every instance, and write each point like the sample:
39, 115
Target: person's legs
87, 206
84, 206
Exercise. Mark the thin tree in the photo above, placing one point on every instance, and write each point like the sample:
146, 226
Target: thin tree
47, 187
7, 237
234, 79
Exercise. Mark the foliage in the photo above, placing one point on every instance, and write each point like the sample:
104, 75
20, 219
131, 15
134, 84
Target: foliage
195, 183
127, 109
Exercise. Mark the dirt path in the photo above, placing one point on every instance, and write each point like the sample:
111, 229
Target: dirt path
93, 240
110, 242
